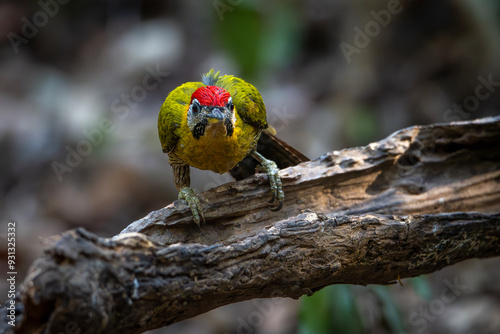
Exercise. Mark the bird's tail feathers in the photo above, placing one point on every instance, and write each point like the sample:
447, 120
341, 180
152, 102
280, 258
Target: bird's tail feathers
272, 148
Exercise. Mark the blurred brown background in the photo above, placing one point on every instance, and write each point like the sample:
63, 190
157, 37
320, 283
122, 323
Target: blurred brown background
81, 84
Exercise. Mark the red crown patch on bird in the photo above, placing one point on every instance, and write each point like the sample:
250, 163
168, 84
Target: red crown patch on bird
211, 96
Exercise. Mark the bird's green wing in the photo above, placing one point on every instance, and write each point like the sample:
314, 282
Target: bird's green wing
171, 113
246, 98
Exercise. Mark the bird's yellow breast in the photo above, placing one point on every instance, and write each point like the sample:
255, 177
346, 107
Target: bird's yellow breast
214, 150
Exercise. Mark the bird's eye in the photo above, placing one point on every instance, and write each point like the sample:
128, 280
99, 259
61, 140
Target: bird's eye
195, 106
230, 104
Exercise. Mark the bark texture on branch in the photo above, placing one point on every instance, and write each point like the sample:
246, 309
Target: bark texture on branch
419, 170
424, 198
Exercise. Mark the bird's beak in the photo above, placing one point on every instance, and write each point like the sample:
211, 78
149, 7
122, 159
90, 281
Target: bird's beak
216, 114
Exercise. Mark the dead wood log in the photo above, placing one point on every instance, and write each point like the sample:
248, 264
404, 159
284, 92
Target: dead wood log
421, 199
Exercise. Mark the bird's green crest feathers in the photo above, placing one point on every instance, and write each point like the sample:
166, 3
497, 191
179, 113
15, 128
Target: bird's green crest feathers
210, 78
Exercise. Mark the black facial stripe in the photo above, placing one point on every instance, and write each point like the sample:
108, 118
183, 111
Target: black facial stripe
229, 127
199, 128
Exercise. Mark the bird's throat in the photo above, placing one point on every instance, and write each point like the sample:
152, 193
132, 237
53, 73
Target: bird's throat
212, 127
215, 128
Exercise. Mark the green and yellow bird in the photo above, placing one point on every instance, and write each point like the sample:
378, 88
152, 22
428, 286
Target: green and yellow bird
213, 125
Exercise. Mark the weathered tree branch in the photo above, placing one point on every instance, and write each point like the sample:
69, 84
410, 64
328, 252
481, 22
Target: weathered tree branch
424, 198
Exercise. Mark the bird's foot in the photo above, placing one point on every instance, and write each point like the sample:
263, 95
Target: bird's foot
272, 172
189, 195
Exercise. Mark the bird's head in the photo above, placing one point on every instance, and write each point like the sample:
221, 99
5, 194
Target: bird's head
211, 106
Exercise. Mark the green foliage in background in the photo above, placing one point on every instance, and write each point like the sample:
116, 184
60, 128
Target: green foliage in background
331, 310
422, 287
361, 126
336, 309
390, 314
259, 36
